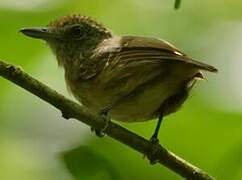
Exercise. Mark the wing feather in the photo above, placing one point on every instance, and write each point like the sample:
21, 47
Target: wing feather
134, 61
135, 48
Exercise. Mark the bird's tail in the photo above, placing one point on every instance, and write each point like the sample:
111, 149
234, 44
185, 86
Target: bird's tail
201, 65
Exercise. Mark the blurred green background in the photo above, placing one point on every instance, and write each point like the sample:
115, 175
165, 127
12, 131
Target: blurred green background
36, 143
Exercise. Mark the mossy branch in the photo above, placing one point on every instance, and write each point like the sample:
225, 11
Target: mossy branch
71, 109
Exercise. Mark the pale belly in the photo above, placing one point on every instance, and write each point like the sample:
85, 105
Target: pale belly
139, 106
143, 106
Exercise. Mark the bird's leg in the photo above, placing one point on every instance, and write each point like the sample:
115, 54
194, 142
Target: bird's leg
154, 141
104, 114
154, 137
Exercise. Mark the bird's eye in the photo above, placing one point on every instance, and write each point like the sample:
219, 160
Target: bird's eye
77, 32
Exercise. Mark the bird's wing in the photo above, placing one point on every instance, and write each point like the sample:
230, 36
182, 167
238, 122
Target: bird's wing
132, 61
135, 49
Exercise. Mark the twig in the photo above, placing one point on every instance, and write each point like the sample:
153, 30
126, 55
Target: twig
71, 109
177, 4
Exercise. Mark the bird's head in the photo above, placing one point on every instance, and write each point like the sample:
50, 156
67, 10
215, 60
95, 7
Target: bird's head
70, 34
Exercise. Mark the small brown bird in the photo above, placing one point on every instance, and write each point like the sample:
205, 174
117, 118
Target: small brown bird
127, 78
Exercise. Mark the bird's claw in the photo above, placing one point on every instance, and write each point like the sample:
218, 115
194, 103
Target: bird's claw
98, 133
104, 114
154, 148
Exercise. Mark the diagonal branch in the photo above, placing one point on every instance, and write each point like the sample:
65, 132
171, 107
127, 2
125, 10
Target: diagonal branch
71, 109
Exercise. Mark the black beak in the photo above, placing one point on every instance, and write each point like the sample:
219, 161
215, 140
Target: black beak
38, 33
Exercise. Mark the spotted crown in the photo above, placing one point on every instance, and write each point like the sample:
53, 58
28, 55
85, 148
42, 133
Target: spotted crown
75, 19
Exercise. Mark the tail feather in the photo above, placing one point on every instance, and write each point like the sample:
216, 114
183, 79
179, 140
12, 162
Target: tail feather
201, 65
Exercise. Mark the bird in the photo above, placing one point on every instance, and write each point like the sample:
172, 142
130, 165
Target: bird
126, 78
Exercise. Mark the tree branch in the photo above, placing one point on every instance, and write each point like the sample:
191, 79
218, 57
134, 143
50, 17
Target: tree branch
71, 109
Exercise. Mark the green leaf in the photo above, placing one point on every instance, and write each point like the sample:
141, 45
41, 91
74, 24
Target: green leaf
85, 164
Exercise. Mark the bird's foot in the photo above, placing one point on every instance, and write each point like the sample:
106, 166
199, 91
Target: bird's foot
154, 148
104, 114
